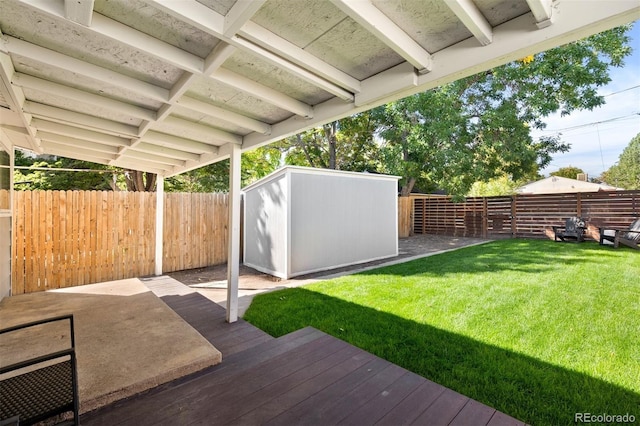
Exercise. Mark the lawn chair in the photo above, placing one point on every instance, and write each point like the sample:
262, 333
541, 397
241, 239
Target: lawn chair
628, 237
573, 230
43, 387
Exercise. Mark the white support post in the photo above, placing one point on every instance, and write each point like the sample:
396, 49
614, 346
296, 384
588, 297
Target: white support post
233, 257
159, 225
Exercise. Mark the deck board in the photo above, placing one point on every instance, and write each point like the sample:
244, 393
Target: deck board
443, 410
373, 410
306, 377
315, 409
413, 405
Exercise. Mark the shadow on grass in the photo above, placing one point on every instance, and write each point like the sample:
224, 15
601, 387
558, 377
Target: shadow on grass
523, 387
528, 256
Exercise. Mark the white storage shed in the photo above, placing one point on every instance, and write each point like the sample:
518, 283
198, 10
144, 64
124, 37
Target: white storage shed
300, 220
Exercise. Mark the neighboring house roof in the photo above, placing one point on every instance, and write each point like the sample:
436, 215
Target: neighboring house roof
557, 184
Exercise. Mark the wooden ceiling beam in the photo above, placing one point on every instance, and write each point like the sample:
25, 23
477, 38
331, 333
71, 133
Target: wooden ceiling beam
79, 11
377, 23
77, 143
213, 23
153, 158
213, 134
240, 13
78, 133
473, 19
224, 114
167, 152
73, 151
86, 121
66, 92
176, 142
14, 96
263, 92
144, 166
302, 73
65, 62
131, 37
542, 12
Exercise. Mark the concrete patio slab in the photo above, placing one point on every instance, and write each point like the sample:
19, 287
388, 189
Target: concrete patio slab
127, 340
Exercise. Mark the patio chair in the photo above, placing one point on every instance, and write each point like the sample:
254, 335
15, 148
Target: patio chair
43, 387
628, 237
573, 230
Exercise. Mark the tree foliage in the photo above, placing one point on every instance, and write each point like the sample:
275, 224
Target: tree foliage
568, 172
479, 128
61, 180
215, 177
626, 172
503, 185
347, 144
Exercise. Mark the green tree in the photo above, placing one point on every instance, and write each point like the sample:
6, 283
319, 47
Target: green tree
568, 172
479, 128
215, 177
502, 185
347, 144
626, 173
99, 178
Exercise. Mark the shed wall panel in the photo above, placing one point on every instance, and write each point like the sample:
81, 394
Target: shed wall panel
338, 220
265, 247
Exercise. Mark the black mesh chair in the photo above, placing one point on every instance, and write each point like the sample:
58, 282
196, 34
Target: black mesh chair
43, 387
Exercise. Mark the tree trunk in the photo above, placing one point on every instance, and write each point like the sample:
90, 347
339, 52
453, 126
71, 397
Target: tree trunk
407, 187
411, 181
330, 131
150, 184
303, 146
140, 181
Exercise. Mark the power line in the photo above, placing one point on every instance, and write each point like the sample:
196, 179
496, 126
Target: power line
579, 126
621, 91
54, 169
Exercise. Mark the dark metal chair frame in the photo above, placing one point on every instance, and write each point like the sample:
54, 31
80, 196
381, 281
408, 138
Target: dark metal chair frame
42, 391
573, 230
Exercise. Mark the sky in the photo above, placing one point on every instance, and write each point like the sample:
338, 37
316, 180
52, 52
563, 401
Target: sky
598, 137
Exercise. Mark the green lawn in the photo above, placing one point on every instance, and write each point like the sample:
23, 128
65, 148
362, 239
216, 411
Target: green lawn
537, 329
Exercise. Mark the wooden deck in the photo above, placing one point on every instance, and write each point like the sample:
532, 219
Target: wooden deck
306, 377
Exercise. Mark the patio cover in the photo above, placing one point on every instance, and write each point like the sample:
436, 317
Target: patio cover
166, 86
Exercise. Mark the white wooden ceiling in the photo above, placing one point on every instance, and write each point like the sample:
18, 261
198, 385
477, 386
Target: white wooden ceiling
166, 85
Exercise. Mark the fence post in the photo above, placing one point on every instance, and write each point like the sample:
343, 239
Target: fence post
579, 204
404, 216
159, 254
514, 214
485, 217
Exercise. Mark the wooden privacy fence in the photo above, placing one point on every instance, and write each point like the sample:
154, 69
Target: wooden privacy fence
195, 230
69, 238
523, 216
405, 206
